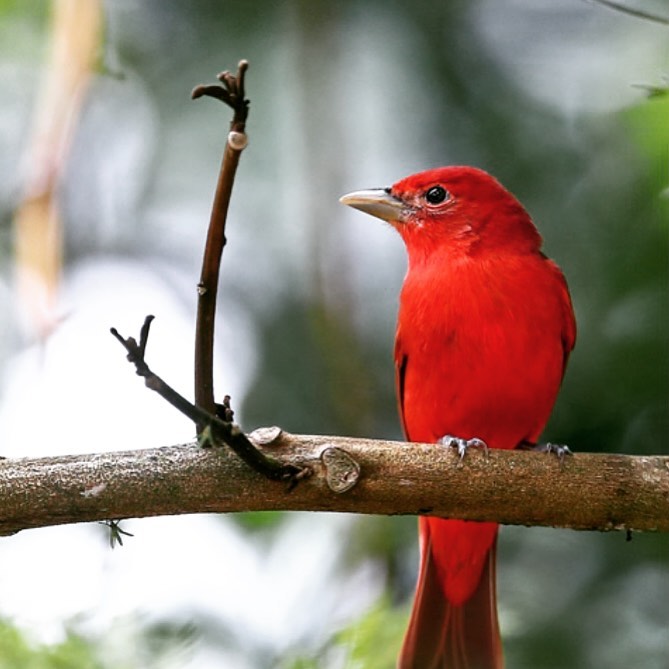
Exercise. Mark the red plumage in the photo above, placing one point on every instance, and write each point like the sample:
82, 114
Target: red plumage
485, 327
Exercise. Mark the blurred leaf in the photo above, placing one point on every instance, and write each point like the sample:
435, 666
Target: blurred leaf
371, 642
653, 91
16, 652
374, 641
255, 521
649, 125
35, 8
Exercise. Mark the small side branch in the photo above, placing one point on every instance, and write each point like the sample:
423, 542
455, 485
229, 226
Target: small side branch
214, 429
590, 491
633, 11
232, 93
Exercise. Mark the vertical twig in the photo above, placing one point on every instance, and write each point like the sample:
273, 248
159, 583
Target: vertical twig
213, 428
231, 92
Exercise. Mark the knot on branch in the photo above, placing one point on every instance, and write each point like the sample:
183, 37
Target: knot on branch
341, 470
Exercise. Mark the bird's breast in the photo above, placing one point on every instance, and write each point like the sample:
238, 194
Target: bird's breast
482, 351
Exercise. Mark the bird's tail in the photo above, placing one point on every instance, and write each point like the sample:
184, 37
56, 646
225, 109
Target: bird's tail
453, 623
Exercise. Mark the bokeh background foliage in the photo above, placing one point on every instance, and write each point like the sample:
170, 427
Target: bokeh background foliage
551, 97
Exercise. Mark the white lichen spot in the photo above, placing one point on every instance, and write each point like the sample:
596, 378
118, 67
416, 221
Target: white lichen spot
264, 436
94, 491
237, 140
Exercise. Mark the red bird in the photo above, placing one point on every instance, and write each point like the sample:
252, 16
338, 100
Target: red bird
484, 330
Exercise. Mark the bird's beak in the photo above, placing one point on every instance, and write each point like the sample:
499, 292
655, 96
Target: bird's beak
377, 202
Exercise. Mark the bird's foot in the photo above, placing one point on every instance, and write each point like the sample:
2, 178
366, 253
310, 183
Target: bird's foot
559, 450
463, 444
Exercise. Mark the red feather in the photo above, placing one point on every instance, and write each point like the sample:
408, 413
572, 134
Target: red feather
484, 331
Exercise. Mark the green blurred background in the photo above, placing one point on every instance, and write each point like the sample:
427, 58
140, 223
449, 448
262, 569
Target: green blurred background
562, 101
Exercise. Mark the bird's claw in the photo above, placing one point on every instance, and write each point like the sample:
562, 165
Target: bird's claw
559, 450
463, 444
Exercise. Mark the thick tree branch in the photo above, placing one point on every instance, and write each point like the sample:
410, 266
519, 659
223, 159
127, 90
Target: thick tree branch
588, 492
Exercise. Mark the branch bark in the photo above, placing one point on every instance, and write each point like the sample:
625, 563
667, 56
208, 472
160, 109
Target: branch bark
587, 492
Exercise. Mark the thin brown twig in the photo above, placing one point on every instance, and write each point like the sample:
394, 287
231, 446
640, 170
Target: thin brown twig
213, 427
632, 11
231, 93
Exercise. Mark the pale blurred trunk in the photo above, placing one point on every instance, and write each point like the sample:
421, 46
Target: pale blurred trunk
75, 40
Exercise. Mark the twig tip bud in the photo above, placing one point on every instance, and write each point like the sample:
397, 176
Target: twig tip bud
197, 92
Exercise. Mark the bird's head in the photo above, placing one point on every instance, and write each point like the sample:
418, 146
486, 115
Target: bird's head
460, 209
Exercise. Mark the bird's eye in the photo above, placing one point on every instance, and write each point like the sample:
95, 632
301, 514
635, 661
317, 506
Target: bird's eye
436, 195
